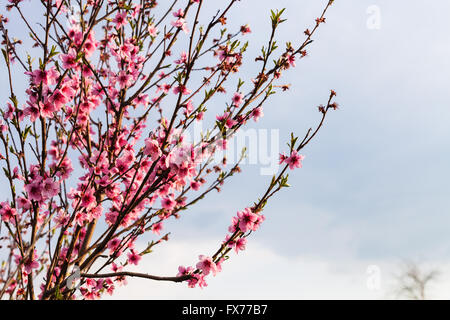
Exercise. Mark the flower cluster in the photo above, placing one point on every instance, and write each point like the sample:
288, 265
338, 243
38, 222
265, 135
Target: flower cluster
244, 222
293, 161
94, 150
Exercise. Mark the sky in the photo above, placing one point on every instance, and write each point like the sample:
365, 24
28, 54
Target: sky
373, 190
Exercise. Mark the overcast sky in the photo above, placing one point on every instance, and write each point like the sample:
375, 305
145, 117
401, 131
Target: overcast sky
374, 188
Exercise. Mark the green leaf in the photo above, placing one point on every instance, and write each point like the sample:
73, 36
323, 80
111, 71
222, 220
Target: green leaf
53, 52
6, 172
5, 55
26, 132
13, 99
240, 84
58, 294
244, 47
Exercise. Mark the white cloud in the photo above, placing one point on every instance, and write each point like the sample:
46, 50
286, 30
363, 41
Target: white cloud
259, 273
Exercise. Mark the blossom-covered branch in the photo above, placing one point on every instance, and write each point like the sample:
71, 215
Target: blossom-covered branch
94, 150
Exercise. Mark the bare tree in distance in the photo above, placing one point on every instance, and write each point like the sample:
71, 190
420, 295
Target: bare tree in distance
414, 282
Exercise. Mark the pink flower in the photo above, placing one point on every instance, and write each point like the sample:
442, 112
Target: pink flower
50, 188
136, 11
47, 109
178, 14
168, 203
257, 113
9, 114
245, 29
283, 158
164, 87
30, 264
239, 244
228, 242
23, 203
189, 107
201, 281
58, 99
181, 157
246, 219
182, 59
87, 72
32, 110
88, 199
219, 264
222, 144
198, 279
180, 23
90, 46
234, 224
116, 268
258, 222
206, 265
46, 77
120, 19
34, 191
182, 89
6, 212
125, 80
157, 227
295, 160
61, 219
199, 116
182, 271
65, 169
237, 99
291, 60
152, 30
70, 59
123, 163
195, 185
133, 257
113, 244
222, 117
4, 127
152, 149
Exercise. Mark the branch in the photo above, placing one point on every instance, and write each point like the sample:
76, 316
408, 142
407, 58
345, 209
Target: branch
138, 275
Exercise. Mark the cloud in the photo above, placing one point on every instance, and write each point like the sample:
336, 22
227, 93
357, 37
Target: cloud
260, 273
257, 273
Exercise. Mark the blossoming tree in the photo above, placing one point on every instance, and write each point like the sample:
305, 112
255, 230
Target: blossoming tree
93, 152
